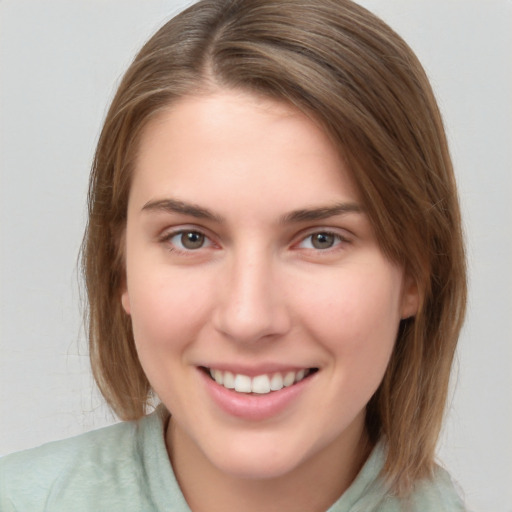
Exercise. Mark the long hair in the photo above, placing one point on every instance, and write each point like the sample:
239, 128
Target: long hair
340, 64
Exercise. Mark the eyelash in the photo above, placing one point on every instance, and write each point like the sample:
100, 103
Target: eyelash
167, 238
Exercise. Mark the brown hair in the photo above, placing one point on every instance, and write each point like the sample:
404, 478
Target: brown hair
342, 65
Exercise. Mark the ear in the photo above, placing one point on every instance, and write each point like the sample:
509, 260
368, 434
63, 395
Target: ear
121, 264
410, 298
125, 301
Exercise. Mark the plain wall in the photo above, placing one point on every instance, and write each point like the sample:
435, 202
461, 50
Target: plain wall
59, 64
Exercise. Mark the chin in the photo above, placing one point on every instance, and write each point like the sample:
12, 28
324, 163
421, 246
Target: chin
258, 461
261, 470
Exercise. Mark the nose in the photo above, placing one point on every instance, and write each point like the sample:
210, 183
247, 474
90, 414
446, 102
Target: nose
252, 304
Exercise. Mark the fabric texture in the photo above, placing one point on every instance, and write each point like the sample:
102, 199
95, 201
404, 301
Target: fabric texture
125, 468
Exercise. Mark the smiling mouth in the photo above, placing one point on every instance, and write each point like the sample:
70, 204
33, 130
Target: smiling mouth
260, 384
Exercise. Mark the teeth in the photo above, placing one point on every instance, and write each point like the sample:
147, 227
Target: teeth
261, 384
229, 380
276, 383
289, 379
243, 384
219, 378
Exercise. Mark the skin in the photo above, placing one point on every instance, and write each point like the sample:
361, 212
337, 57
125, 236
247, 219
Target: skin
256, 293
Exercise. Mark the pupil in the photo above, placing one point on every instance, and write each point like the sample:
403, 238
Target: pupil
323, 240
192, 240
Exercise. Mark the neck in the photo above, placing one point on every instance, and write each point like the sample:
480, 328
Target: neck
312, 486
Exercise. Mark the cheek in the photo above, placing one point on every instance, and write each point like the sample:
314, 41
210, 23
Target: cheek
166, 310
356, 315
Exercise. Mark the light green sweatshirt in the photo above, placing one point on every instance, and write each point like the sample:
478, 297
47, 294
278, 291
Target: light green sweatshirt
125, 468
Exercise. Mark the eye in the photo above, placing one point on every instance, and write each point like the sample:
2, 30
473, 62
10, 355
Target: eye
188, 240
321, 240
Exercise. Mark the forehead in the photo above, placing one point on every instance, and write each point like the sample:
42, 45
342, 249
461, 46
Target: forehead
235, 143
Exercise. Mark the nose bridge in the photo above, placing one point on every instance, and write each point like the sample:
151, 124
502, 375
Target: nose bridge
251, 306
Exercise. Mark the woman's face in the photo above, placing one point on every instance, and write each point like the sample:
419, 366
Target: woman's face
250, 257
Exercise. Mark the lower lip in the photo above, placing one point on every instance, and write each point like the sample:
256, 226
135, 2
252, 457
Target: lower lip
254, 407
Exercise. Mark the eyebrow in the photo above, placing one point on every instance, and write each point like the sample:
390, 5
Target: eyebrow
301, 215
323, 212
174, 206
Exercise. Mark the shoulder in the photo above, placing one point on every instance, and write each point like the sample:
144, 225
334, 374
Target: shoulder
86, 468
371, 493
435, 494
438, 494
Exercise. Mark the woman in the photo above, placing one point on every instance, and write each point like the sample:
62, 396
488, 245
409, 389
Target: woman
273, 249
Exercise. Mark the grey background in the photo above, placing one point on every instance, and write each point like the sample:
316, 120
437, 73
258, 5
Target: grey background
59, 64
